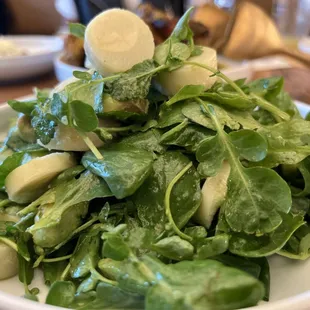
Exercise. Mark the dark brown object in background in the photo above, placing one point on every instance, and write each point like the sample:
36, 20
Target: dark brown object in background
296, 81
33, 17
73, 52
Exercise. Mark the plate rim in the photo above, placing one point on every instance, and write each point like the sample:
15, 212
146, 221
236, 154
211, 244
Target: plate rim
56, 47
299, 301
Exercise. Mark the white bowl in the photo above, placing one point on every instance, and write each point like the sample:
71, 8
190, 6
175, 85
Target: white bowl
63, 70
41, 51
290, 281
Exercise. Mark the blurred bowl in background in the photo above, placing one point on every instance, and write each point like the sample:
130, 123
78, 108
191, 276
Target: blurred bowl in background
40, 52
63, 70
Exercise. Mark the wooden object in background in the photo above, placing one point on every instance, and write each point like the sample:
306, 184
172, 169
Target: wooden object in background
255, 35
33, 17
296, 81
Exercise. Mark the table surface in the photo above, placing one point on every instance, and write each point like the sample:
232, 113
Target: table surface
296, 83
24, 88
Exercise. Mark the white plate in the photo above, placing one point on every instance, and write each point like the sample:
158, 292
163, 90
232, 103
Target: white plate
290, 280
41, 52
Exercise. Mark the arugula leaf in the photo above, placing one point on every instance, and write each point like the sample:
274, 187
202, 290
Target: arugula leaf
185, 196
187, 92
61, 294
188, 137
256, 197
267, 88
124, 168
25, 107
253, 246
134, 83
169, 116
149, 141
174, 248
77, 30
17, 144
133, 109
287, 142
298, 246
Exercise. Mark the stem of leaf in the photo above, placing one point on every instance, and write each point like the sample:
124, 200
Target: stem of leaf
219, 74
65, 272
57, 259
160, 68
269, 107
4, 202
91, 145
10, 243
75, 232
102, 278
167, 203
38, 261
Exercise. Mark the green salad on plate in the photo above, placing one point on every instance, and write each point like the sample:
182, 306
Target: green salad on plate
153, 181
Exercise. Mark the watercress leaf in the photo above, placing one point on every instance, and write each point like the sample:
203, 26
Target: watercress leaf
57, 224
196, 232
162, 52
43, 123
185, 196
212, 246
140, 239
25, 271
61, 294
228, 285
174, 248
134, 83
84, 116
87, 91
124, 168
113, 298
253, 246
77, 30
149, 141
188, 137
250, 145
304, 169
58, 108
115, 248
82, 75
180, 51
186, 92
52, 271
85, 256
25, 107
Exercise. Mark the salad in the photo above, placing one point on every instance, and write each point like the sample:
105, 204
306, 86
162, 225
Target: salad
153, 181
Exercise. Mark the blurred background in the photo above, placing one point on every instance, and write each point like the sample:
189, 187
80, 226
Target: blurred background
254, 38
